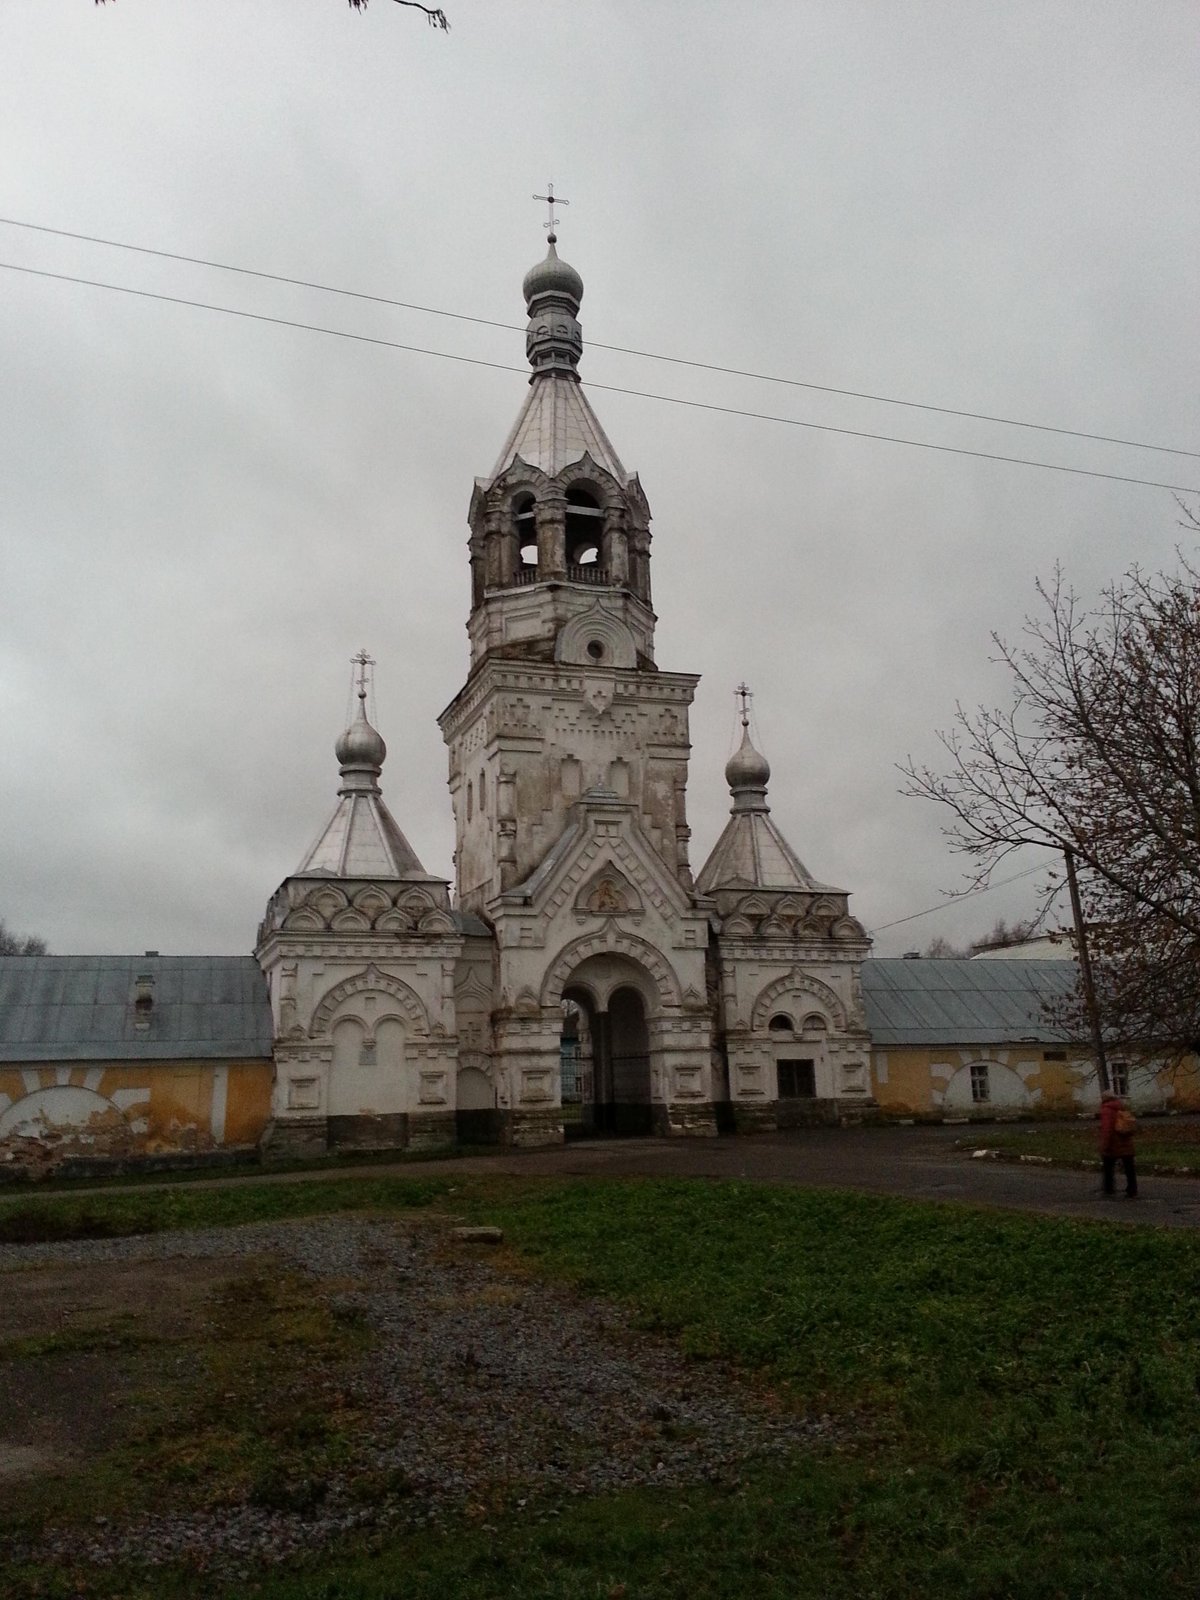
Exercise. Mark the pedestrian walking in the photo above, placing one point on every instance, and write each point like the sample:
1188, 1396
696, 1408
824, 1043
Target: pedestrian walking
1117, 1125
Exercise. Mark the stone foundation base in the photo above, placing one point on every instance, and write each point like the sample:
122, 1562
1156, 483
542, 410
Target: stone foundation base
854, 1113
806, 1113
754, 1118
433, 1131
698, 1120
388, 1131
294, 1139
394, 1130
528, 1130
479, 1127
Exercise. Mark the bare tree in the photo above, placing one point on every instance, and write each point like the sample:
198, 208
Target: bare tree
15, 944
434, 15
941, 949
1099, 755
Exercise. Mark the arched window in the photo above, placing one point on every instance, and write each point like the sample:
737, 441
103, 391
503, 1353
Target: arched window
482, 791
526, 526
815, 1023
781, 1023
585, 521
470, 800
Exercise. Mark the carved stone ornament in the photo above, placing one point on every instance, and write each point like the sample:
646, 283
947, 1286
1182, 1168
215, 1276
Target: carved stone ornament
608, 893
598, 694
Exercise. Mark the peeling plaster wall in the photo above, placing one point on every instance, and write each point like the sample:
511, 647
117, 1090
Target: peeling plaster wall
121, 1110
934, 1080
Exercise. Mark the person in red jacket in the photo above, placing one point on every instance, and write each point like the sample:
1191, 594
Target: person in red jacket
1116, 1144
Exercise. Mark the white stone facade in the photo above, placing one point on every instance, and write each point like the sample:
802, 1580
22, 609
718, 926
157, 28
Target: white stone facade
361, 979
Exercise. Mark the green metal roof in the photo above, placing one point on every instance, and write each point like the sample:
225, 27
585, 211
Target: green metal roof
964, 1002
81, 1008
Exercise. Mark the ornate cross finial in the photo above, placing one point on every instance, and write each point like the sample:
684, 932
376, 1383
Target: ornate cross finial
551, 200
744, 696
362, 661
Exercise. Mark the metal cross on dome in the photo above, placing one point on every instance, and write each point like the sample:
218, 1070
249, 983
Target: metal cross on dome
744, 695
551, 200
362, 661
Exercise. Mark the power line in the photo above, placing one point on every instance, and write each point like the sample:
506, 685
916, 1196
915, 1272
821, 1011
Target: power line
610, 388
595, 344
953, 899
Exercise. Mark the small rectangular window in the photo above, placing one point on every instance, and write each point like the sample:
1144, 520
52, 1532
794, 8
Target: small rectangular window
981, 1089
1118, 1076
1054, 1055
797, 1080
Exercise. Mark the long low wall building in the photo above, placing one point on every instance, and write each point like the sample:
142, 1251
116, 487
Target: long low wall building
122, 1058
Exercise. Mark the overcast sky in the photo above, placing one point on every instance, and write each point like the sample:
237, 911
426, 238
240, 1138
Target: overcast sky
989, 208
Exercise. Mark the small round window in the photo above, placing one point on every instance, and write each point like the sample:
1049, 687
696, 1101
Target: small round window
595, 650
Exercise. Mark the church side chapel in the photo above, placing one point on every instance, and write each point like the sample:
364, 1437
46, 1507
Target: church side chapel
581, 980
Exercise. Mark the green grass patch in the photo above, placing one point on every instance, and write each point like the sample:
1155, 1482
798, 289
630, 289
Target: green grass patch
96, 1215
1160, 1143
1021, 1390
244, 1163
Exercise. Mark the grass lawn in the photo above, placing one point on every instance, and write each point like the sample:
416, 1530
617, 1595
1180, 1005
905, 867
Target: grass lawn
1161, 1143
92, 1214
1025, 1392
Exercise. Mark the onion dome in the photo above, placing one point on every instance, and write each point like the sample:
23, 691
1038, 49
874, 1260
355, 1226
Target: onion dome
553, 337
361, 752
747, 772
552, 276
752, 853
361, 839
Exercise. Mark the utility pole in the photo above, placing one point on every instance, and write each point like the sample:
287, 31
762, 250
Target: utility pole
1085, 970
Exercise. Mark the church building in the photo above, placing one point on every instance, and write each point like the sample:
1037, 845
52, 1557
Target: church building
578, 976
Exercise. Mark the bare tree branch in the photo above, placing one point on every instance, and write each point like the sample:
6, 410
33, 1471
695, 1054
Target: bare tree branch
434, 15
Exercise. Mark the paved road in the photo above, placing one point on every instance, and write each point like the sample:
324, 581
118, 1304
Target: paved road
922, 1163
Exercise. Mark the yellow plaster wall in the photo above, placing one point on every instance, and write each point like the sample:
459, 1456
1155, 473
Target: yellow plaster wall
902, 1078
151, 1107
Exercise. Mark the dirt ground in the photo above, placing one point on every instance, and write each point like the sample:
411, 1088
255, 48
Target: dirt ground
106, 1324
342, 1373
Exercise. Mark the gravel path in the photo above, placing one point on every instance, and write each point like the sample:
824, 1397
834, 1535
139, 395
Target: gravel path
485, 1393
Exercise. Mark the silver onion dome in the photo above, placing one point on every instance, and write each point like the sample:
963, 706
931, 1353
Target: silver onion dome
552, 276
360, 751
747, 772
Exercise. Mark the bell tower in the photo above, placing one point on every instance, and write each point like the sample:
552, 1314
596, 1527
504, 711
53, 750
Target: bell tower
563, 695
559, 529
568, 771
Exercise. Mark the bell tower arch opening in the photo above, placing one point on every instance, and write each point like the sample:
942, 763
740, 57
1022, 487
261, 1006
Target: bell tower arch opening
584, 532
525, 523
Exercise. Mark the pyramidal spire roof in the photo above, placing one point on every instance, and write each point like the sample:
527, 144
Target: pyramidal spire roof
361, 839
752, 853
556, 425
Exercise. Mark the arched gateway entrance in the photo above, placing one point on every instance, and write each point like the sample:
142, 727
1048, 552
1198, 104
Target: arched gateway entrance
605, 1052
